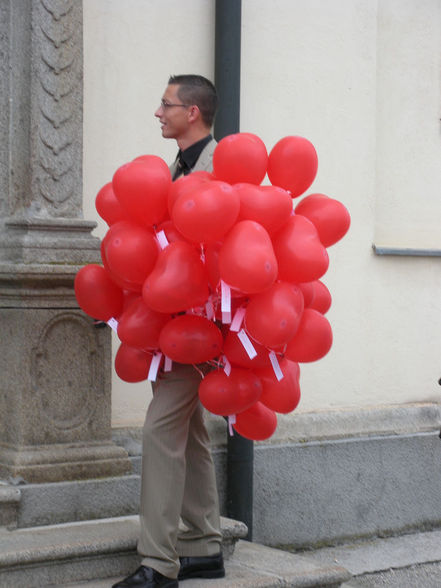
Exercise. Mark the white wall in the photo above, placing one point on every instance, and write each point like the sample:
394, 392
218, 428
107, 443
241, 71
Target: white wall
131, 47
361, 80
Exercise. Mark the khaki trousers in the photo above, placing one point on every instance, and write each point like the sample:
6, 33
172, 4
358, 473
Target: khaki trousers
178, 478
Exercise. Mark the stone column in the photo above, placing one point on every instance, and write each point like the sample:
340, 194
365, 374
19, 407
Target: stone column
55, 401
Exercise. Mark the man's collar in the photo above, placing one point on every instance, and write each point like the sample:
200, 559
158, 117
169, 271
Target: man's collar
189, 156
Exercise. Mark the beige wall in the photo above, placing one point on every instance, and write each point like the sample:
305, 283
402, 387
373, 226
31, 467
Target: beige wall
361, 80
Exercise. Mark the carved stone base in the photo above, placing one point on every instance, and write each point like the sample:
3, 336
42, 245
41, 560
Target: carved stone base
56, 463
55, 407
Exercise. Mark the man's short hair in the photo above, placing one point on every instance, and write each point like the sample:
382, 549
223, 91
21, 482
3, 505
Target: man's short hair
195, 89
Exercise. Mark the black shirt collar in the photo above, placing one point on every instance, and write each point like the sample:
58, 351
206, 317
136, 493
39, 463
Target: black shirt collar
187, 159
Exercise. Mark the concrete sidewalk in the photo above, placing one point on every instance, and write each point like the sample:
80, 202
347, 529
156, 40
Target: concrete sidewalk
408, 561
256, 566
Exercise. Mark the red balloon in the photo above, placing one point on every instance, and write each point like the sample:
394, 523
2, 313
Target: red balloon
131, 251
132, 365
281, 396
313, 339
307, 289
207, 212
292, 164
129, 297
97, 294
123, 284
256, 423
300, 254
330, 217
273, 317
108, 206
241, 157
139, 326
246, 260
270, 206
186, 184
141, 188
225, 395
171, 232
211, 253
178, 281
321, 299
236, 354
190, 339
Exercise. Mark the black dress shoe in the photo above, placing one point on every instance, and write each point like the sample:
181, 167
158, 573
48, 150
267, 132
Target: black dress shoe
210, 566
145, 577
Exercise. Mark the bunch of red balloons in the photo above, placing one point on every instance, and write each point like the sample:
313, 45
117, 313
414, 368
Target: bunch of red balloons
218, 268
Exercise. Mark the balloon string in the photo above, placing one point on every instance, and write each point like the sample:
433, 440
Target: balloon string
201, 373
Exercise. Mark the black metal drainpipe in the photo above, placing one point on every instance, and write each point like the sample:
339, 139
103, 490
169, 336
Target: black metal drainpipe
240, 451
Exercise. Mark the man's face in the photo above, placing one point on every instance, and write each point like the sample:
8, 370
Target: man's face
172, 114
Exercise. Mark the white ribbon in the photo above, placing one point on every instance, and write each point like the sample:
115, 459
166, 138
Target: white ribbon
162, 239
225, 302
168, 363
113, 324
237, 321
227, 365
231, 422
248, 346
209, 309
154, 366
276, 367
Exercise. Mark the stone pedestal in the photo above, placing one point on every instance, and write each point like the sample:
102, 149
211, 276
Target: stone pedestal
55, 403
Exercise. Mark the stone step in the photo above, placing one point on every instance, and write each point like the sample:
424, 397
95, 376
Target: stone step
256, 566
80, 500
74, 552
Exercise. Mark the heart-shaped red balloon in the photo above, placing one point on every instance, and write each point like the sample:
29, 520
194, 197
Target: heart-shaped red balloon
300, 254
141, 188
317, 296
207, 212
97, 294
190, 339
330, 217
225, 395
139, 326
186, 184
108, 206
256, 423
292, 164
131, 364
270, 206
273, 317
241, 157
178, 281
237, 355
280, 395
313, 339
130, 251
127, 285
246, 259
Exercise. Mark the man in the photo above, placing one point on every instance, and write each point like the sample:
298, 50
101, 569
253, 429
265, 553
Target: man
178, 478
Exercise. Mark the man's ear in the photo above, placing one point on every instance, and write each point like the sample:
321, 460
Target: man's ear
194, 113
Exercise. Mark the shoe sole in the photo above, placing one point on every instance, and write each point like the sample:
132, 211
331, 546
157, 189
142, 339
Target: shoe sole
208, 575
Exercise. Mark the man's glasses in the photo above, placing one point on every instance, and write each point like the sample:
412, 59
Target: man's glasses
166, 105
